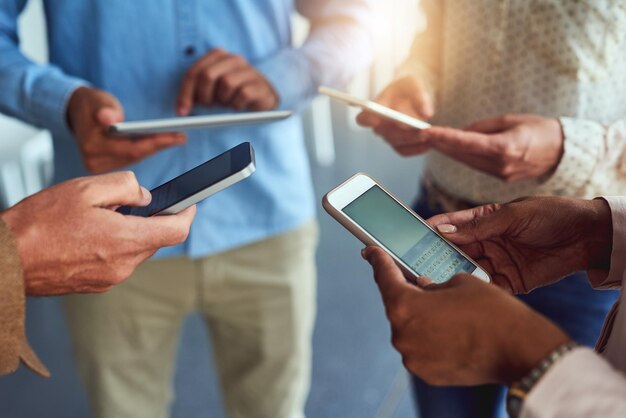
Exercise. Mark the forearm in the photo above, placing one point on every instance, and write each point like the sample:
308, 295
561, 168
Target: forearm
338, 47
36, 94
581, 385
424, 59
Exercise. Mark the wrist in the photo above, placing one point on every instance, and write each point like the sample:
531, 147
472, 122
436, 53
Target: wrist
536, 338
598, 234
519, 390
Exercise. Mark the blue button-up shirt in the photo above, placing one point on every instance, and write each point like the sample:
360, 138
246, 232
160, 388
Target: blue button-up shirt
138, 50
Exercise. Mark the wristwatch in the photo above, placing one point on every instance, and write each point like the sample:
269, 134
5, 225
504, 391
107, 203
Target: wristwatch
519, 390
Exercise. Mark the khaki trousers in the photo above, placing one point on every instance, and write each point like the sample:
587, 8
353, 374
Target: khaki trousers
258, 302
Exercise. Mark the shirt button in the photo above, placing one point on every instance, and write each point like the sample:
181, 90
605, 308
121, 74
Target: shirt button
190, 50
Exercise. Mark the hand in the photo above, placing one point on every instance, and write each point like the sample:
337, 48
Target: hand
228, 80
71, 241
462, 332
532, 242
407, 95
89, 113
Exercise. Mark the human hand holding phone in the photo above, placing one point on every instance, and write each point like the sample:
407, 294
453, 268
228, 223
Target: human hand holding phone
90, 112
70, 240
222, 78
408, 95
532, 242
460, 332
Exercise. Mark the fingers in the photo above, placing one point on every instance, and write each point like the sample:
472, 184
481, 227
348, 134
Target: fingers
104, 153
219, 77
461, 217
232, 83
368, 119
424, 105
388, 275
495, 125
257, 95
472, 225
163, 231
139, 148
113, 189
190, 80
210, 76
107, 116
455, 141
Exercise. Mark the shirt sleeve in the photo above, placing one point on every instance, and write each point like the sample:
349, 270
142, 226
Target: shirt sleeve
13, 344
582, 384
613, 279
594, 160
424, 59
338, 47
36, 94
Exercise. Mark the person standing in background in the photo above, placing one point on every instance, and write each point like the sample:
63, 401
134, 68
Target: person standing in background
249, 262
559, 71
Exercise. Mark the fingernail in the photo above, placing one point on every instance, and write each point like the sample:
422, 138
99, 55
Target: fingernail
147, 196
446, 228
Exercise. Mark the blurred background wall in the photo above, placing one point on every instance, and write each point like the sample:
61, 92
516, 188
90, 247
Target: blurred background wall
356, 372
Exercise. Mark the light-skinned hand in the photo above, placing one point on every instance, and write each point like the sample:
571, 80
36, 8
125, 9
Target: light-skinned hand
510, 147
70, 239
462, 332
222, 78
89, 113
532, 242
408, 95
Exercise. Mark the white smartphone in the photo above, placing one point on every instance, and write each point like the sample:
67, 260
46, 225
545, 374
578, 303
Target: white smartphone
376, 217
147, 127
198, 183
374, 107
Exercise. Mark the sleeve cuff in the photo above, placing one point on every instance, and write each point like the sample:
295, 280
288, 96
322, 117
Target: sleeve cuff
582, 144
289, 73
600, 279
48, 98
13, 344
582, 384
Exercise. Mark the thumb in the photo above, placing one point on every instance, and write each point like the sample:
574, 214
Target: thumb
108, 110
115, 189
390, 279
107, 116
368, 119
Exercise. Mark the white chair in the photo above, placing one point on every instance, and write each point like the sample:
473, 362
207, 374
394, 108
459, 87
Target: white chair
36, 157
11, 185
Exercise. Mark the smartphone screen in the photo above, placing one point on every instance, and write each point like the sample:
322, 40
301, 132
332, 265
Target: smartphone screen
407, 237
194, 181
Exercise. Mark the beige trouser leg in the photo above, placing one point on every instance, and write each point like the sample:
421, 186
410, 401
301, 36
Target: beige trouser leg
259, 301
125, 340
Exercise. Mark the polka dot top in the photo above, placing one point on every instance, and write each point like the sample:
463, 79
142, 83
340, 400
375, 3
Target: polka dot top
564, 59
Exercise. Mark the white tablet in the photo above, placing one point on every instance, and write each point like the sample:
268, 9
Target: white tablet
374, 107
147, 127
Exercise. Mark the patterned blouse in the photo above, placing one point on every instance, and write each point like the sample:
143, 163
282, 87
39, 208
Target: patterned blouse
563, 59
